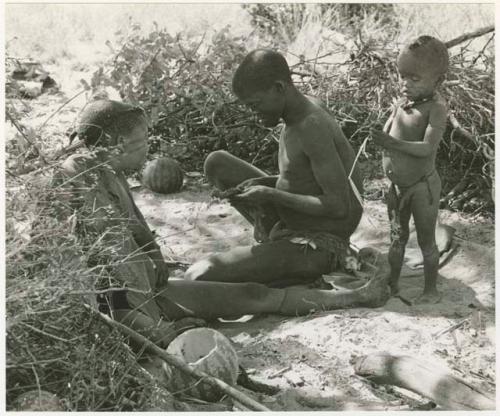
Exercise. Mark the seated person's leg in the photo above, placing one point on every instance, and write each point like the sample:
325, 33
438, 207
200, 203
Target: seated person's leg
211, 300
225, 171
373, 294
264, 263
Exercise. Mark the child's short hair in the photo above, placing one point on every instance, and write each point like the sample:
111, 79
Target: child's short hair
101, 121
259, 70
431, 51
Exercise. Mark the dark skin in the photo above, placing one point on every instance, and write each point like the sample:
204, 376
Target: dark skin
182, 302
311, 192
410, 140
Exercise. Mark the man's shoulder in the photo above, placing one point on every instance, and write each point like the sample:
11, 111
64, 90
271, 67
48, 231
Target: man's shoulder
317, 122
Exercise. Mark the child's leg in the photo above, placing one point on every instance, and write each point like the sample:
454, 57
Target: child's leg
425, 207
400, 232
225, 171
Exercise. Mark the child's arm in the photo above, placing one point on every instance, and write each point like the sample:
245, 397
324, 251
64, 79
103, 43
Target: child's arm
432, 137
146, 240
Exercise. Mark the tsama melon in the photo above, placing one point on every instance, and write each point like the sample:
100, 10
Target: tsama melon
206, 350
163, 175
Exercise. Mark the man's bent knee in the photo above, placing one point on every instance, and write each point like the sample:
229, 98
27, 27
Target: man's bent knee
214, 164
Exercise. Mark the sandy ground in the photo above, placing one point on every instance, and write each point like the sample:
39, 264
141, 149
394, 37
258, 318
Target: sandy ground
310, 358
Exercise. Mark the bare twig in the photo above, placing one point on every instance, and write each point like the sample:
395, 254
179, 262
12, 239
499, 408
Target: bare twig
39, 331
181, 365
482, 50
467, 36
20, 129
450, 328
61, 107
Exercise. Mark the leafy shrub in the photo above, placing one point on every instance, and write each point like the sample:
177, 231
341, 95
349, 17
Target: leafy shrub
185, 87
53, 342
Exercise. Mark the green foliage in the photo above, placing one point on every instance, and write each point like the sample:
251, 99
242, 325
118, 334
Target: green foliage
185, 87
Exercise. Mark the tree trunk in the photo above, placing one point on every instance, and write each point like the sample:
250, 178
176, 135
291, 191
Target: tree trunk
439, 385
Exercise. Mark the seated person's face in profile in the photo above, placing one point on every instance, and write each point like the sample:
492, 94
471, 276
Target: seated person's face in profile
134, 149
417, 79
268, 105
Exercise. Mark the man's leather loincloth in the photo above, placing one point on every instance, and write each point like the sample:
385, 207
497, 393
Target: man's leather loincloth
337, 247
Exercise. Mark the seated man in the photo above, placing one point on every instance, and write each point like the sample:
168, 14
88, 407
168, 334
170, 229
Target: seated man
93, 185
310, 202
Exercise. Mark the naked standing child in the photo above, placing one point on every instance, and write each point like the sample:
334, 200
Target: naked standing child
410, 140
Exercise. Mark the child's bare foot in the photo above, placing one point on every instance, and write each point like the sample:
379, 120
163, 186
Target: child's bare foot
394, 289
428, 298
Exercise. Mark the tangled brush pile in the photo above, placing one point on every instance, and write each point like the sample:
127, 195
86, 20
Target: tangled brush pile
54, 343
184, 85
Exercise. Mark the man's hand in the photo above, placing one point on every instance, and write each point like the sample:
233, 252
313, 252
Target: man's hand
254, 194
252, 182
381, 138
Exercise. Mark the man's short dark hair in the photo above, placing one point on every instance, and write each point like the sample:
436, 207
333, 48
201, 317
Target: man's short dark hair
430, 50
259, 70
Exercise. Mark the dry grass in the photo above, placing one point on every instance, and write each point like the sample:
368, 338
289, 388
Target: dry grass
58, 32
52, 341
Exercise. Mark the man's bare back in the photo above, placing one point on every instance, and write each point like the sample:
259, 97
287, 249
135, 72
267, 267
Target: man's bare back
311, 200
299, 168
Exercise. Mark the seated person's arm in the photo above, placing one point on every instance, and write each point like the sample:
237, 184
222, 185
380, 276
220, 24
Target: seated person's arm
269, 181
328, 170
145, 239
433, 135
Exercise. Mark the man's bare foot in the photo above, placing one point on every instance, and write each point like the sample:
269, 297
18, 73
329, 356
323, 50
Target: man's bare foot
376, 292
428, 298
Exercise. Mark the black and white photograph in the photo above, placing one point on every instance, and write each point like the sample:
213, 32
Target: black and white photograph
243, 207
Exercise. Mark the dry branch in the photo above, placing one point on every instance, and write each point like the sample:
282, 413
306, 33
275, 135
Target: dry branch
442, 387
182, 366
467, 36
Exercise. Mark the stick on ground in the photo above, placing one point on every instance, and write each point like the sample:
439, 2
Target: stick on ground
181, 365
439, 385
